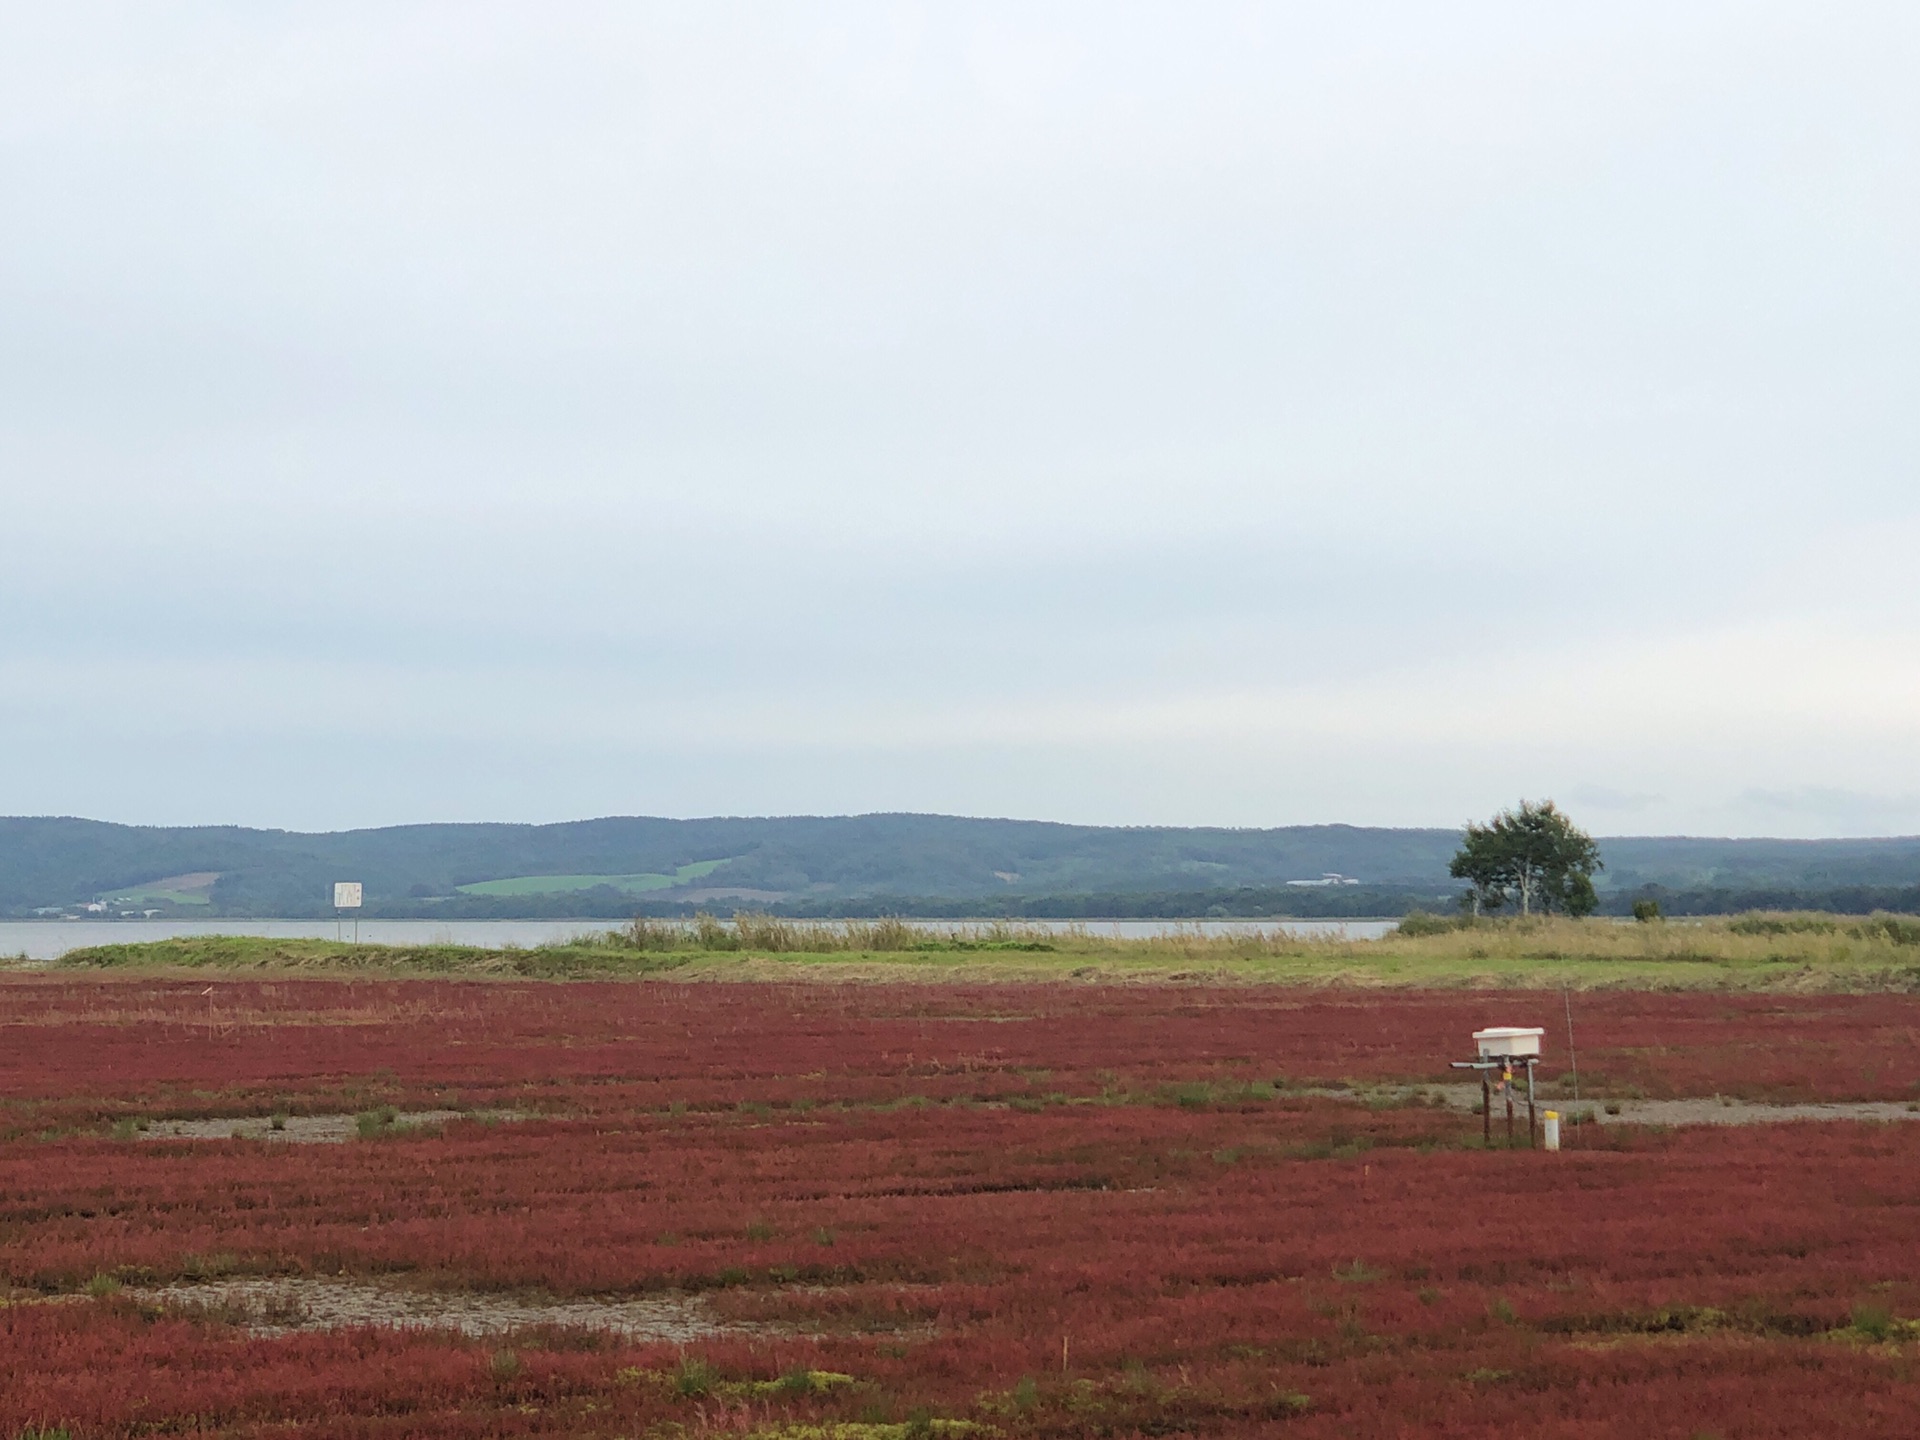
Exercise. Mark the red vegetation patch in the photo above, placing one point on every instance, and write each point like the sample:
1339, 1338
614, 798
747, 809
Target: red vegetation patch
1058, 1211
92, 1048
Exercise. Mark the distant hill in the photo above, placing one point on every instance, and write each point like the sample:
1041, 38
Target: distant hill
932, 864
500, 869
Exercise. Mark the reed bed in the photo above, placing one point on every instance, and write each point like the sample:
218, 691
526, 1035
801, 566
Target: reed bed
1757, 938
1752, 938
776, 935
1757, 951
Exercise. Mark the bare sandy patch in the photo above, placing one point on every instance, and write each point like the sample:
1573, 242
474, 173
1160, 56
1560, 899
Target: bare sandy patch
284, 1305
306, 1129
1697, 1110
1711, 1111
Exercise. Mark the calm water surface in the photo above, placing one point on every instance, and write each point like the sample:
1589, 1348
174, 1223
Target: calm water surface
50, 939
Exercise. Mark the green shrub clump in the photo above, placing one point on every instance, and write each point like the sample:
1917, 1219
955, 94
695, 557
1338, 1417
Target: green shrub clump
1416, 923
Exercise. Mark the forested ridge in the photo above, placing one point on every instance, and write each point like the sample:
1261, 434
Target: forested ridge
914, 864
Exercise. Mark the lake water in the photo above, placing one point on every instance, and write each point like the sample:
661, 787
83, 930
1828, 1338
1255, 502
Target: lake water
50, 939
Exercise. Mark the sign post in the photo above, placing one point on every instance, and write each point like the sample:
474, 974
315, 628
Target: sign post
347, 895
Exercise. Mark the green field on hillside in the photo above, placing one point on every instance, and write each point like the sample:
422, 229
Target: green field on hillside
566, 884
189, 889
151, 896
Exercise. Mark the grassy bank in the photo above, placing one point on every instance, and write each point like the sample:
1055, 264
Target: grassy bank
1754, 952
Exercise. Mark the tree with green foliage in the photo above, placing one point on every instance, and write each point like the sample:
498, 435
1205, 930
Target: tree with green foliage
1532, 858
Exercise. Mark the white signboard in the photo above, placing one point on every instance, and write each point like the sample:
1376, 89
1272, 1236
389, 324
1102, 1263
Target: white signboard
346, 895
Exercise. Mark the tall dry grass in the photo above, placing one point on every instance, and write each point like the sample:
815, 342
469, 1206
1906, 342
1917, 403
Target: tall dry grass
1886, 940
775, 935
1756, 938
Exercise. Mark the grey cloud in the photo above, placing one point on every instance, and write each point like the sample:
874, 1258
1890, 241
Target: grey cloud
740, 362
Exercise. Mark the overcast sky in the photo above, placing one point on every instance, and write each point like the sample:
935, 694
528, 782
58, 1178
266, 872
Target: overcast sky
1185, 413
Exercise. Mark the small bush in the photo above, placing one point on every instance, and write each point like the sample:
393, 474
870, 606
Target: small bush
802, 1381
710, 934
1898, 929
694, 1378
1758, 923
505, 1365
645, 934
1420, 922
1873, 1321
776, 935
210, 1267
1646, 911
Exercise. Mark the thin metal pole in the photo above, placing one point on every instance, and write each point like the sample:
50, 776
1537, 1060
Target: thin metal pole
1566, 994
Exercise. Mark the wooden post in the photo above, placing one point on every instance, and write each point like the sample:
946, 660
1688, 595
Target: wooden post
1531, 1140
1486, 1109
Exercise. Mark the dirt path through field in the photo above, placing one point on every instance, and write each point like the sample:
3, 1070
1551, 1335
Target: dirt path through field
306, 1129
1703, 1110
283, 1305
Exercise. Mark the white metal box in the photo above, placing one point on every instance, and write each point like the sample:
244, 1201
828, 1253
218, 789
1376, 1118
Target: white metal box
1507, 1040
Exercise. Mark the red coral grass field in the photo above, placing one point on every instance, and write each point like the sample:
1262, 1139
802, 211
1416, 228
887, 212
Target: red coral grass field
904, 1211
